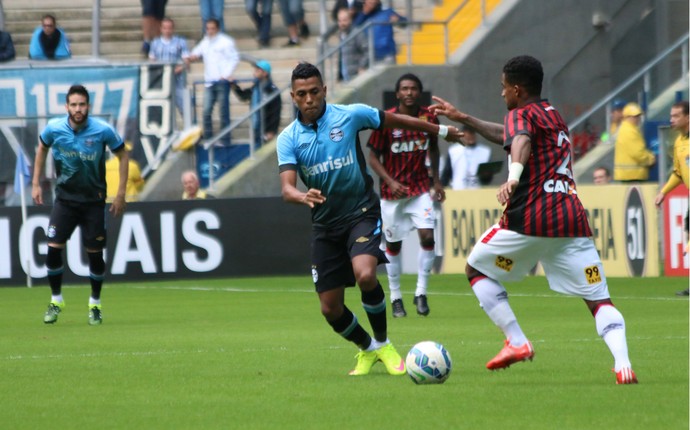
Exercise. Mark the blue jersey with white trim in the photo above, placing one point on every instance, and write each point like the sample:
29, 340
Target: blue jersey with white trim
80, 157
328, 157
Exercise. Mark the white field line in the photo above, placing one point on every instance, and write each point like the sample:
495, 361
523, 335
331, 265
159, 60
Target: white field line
404, 347
431, 293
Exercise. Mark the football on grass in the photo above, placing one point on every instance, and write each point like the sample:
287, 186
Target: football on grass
428, 363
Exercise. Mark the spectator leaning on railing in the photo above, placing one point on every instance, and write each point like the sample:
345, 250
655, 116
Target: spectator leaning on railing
49, 42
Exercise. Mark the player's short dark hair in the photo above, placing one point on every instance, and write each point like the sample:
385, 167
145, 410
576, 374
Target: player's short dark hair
525, 71
305, 70
77, 89
215, 21
408, 77
50, 17
683, 104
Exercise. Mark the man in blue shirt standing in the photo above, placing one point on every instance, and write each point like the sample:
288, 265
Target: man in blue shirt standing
78, 145
322, 147
382, 27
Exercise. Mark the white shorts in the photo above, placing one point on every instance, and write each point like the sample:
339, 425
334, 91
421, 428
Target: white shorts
572, 264
401, 216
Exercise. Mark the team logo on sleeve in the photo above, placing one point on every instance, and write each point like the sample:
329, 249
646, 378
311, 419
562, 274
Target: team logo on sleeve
504, 263
336, 134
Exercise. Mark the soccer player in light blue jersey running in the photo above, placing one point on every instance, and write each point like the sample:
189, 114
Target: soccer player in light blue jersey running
78, 144
322, 147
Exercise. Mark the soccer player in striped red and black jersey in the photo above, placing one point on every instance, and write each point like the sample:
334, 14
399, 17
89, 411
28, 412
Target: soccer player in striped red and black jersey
400, 157
543, 222
545, 203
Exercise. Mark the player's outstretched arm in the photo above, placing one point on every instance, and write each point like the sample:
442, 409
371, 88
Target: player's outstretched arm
288, 185
492, 131
407, 122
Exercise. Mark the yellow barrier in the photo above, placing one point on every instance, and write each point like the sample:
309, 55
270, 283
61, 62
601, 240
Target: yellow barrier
623, 219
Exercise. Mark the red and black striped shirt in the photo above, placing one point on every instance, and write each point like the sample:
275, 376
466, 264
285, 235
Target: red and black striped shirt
545, 202
404, 154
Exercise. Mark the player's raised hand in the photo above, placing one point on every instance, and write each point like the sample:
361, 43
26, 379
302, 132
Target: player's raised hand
313, 197
444, 108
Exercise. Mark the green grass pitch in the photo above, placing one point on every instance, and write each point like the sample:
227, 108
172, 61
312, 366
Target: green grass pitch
257, 354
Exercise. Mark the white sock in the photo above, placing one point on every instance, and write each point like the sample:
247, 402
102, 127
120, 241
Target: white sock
375, 344
57, 299
493, 298
425, 259
393, 268
611, 327
93, 301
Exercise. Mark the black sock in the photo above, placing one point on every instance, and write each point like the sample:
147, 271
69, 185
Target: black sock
348, 327
374, 303
55, 269
96, 273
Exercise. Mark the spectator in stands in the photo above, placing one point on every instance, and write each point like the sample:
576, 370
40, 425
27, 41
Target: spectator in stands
190, 183
220, 58
631, 159
460, 169
354, 55
172, 49
601, 176
135, 182
212, 9
383, 20
293, 17
152, 14
49, 42
262, 20
609, 136
6, 47
266, 121
353, 6
680, 174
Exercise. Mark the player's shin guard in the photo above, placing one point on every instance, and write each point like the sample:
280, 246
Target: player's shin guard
393, 268
374, 303
493, 298
611, 327
96, 273
348, 327
55, 269
425, 261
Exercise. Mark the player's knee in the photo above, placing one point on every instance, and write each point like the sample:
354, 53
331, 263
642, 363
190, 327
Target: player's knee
471, 272
427, 244
393, 248
366, 279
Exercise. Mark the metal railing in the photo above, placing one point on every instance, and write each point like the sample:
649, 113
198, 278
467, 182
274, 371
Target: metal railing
329, 53
642, 79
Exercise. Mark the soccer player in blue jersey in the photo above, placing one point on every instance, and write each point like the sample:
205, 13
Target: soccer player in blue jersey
543, 221
78, 146
322, 147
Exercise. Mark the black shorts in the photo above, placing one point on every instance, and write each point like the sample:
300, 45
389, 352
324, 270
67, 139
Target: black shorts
68, 215
154, 8
332, 250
